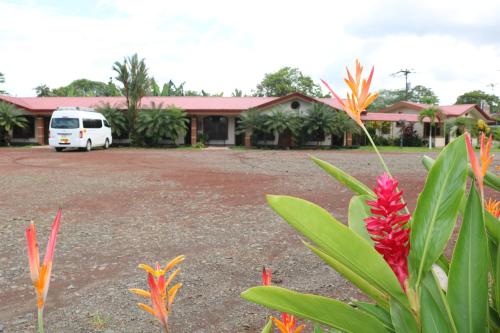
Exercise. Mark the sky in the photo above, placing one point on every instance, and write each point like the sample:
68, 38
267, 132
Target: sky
451, 46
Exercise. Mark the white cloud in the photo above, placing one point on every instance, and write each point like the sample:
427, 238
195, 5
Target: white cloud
222, 45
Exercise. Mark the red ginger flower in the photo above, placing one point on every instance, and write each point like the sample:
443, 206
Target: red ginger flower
387, 229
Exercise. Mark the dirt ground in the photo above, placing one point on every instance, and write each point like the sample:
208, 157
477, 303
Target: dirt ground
123, 207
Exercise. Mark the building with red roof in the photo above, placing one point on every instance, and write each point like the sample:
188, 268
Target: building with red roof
217, 117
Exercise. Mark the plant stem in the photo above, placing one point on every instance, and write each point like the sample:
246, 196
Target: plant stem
386, 168
40, 321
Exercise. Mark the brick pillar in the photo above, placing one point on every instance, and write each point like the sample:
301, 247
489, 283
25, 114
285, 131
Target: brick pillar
248, 138
40, 131
194, 130
348, 139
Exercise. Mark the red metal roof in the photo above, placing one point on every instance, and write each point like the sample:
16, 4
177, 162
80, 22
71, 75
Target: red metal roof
448, 110
377, 116
188, 103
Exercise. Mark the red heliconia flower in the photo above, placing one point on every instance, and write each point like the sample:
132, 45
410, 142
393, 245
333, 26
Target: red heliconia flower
387, 228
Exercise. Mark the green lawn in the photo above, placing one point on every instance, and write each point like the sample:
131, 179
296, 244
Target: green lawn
401, 150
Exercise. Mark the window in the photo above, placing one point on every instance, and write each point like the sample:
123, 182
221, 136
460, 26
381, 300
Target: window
106, 123
27, 132
436, 130
386, 127
315, 136
65, 123
92, 123
295, 105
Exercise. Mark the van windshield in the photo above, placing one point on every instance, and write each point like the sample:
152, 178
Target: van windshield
65, 123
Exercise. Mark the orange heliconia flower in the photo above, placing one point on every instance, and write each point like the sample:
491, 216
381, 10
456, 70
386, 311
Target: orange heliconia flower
360, 97
161, 296
287, 324
40, 275
493, 206
288, 321
480, 169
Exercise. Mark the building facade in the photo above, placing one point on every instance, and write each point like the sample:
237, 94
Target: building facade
216, 118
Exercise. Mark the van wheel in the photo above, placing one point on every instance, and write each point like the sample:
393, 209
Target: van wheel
88, 147
59, 149
106, 144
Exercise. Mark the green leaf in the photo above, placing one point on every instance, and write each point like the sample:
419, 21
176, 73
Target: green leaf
319, 309
468, 278
492, 226
339, 242
358, 212
402, 319
490, 179
434, 310
382, 315
437, 209
343, 177
496, 277
269, 327
376, 294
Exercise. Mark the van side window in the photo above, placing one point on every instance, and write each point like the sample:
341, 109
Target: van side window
92, 123
106, 123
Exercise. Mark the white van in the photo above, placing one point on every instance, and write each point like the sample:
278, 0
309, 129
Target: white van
77, 127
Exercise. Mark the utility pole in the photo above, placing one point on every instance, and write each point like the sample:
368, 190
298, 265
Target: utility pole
405, 72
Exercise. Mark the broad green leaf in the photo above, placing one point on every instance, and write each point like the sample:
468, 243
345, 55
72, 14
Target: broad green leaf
339, 242
269, 327
492, 226
437, 209
443, 263
434, 310
382, 315
343, 177
402, 319
358, 212
490, 179
377, 295
468, 277
496, 277
319, 309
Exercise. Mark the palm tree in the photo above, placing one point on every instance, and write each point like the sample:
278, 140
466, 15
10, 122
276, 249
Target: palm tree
43, 91
10, 117
319, 120
2, 80
431, 113
342, 124
115, 117
133, 75
277, 122
159, 123
249, 121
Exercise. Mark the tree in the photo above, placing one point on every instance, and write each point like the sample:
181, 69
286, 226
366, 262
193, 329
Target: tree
387, 97
83, 87
319, 121
477, 96
133, 75
2, 80
285, 81
418, 94
10, 117
344, 124
115, 117
277, 122
237, 93
423, 95
159, 123
431, 113
43, 91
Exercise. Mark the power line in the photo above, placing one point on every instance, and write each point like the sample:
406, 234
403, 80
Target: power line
405, 72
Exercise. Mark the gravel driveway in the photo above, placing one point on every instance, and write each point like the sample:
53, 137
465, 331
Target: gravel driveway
123, 207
